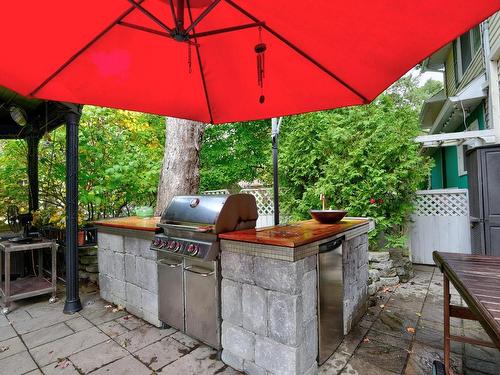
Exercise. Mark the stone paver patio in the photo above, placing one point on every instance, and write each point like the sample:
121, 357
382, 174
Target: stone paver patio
400, 334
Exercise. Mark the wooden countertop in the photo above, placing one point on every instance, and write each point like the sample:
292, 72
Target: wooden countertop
131, 222
293, 235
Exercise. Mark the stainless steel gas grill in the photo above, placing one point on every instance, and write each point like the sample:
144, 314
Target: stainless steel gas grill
188, 259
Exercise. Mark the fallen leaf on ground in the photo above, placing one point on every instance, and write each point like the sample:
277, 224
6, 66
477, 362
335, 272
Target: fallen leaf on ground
366, 339
410, 330
127, 317
108, 306
382, 306
125, 343
418, 314
385, 290
62, 363
3, 349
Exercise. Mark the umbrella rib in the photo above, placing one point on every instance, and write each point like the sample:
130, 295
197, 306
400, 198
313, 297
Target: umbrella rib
299, 51
201, 67
84, 48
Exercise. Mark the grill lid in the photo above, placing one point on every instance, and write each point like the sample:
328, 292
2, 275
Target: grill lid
211, 213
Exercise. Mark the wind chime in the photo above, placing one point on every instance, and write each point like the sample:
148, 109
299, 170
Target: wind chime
260, 50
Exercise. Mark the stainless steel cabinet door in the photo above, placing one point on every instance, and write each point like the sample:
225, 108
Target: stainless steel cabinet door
202, 304
170, 292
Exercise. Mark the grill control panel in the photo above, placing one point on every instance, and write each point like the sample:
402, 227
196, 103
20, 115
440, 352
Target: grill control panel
183, 246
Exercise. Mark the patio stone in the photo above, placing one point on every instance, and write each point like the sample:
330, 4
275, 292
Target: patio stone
34, 372
334, 364
99, 314
7, 332
29, 325
112, 328
382, 355
142, 337
125, 366
353, 339
421, 359
395, 323
3, 321
130, 322
45, 335
185, 340
97, 356
482, 353
19, 363
14, 345
359, 366
478, 366
78, 324
67, 346
431, 333
421, 268
162, 353
202, 360
63, 368
398, 342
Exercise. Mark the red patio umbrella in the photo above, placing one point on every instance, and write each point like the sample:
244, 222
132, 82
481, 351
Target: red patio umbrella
222, 60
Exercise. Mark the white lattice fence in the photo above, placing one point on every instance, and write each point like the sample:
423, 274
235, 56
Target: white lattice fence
215, 192
265, 206
440, 222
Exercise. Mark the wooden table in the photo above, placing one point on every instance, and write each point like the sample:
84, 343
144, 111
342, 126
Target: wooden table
477, 280
27, 286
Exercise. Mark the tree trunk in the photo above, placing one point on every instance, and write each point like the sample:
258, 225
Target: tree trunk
180, 173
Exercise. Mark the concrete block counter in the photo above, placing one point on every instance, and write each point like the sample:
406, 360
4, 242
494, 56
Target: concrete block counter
128, 274
274, 310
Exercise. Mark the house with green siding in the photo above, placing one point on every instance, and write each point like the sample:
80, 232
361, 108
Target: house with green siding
466, 113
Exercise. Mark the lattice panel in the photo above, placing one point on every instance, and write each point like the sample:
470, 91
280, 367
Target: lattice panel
264, 200
442, 204
215, 192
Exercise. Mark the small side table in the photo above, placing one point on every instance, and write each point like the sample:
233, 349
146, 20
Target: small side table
28, 286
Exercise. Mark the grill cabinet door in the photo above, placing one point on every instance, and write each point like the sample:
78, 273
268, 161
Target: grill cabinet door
491, 199
475, 201
170, 292
202, 303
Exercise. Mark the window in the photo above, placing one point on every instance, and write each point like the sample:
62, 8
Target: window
464, 49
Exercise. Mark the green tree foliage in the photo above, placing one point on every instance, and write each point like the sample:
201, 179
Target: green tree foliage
120, 159
364, 159
234, 152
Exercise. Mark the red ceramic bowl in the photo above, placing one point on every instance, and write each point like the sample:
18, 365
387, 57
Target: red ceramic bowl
328, 216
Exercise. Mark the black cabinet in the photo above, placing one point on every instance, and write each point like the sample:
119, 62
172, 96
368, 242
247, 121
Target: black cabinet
483, 168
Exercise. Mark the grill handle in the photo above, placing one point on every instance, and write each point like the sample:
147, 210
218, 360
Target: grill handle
165, 262
194, 269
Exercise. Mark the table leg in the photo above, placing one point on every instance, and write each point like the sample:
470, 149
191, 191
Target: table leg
40, 262
54, 272
446, 287
7, 281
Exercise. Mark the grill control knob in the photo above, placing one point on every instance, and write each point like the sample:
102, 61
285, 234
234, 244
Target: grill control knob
177, 246
171, 245
156, 242
196, 250
161, 244
190, 249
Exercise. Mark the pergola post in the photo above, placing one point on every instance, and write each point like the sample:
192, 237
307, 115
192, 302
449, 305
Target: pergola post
73, 303
33, 141
275, 135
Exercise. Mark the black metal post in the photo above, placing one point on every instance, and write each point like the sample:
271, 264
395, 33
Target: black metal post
33, 141
275, 134
73, 303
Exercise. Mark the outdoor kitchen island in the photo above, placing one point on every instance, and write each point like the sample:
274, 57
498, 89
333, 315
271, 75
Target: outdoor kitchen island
286, 289
128, 275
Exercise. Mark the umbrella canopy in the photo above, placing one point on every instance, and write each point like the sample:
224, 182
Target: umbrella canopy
222, 60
